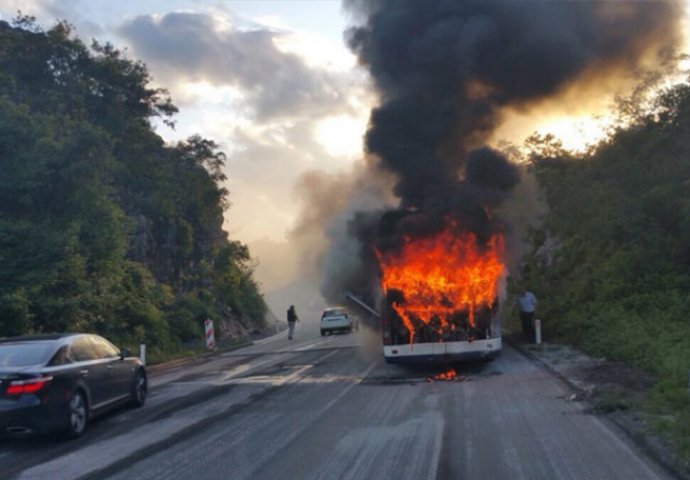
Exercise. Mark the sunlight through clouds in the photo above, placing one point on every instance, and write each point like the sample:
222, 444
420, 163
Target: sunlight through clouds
206, 92
341, 135
317, 51
577, 133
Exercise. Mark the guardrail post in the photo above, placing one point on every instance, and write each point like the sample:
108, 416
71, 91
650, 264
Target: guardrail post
142, 353
537, 331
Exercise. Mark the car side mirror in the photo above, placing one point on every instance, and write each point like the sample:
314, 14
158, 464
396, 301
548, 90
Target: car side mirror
124, 353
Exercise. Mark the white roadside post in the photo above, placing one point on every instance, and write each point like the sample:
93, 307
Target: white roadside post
537, 331
142, 353
210, 336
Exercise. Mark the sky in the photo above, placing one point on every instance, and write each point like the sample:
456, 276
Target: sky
272, 82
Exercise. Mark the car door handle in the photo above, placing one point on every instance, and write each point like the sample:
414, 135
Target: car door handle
84, 373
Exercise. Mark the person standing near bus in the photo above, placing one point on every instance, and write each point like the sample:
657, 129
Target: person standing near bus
528, 305
291, 319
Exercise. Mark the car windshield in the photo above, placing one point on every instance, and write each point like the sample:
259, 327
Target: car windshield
25, 354
334, 313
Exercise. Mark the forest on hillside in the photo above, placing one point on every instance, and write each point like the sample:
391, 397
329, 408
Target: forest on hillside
611, 264
103, 226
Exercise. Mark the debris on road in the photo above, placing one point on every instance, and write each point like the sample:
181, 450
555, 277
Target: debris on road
449, 375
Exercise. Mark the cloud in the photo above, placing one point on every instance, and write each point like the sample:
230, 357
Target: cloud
195, 47
283, 114
268, 160
10, 8
252, 89
50, 12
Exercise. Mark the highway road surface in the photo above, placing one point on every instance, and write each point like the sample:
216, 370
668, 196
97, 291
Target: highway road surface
329, 408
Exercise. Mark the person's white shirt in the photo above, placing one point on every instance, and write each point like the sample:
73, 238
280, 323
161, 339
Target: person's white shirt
527, 302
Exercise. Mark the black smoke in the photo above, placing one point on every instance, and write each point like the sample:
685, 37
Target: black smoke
446, 71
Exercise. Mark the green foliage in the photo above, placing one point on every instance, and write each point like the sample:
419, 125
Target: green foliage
620, 285
14, 313
103, 227
190, 313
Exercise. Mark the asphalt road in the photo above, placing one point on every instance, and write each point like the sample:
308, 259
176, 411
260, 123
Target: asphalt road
329, 408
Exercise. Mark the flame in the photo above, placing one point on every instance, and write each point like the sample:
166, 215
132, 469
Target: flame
441, 275
448, 375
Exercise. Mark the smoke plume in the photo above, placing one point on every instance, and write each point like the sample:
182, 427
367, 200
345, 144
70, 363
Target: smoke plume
446, 71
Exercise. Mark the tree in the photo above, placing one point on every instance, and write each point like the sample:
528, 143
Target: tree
103, 227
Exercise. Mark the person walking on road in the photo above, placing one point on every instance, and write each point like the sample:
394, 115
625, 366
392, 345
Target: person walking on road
528, 304
291, 319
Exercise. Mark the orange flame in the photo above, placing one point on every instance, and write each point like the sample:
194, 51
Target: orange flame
448, 375
441, 275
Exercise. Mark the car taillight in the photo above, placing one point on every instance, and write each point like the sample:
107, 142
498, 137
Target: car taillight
32, 385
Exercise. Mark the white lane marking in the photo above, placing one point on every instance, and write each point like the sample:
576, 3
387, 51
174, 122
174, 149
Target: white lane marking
278, 380
308, 345
312, 345
270, 339
245, 368
274, 380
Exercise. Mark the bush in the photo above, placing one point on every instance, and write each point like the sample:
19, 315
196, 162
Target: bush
14, 314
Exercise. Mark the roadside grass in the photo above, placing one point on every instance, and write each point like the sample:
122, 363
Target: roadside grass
668, 412
613, 401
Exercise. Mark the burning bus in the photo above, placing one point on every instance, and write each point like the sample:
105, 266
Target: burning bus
439, 283
447, 75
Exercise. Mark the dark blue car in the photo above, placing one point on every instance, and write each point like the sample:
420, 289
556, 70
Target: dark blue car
56, 383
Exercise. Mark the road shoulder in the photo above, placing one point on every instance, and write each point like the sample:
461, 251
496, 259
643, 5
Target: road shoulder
611, 390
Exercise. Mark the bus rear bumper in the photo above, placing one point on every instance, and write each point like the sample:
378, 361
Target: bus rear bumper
443, 351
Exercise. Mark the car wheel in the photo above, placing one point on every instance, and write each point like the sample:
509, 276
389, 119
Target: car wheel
77, 415
323, 333
139, 390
